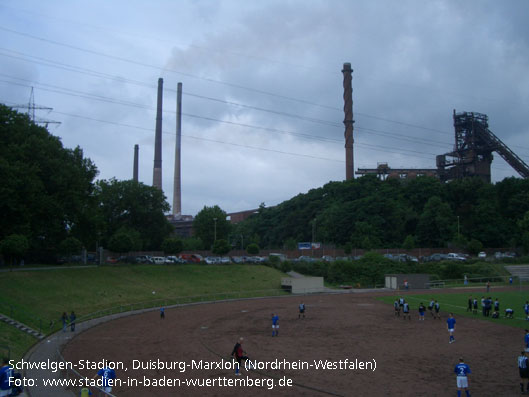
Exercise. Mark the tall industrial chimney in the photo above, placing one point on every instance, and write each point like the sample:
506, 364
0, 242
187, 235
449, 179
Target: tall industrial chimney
177, 190
157, 172
135, 166
348, 120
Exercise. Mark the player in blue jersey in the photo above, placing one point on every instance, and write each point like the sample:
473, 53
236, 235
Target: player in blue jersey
275, 324
523, 369
451, 326
108, 376
6, 372
526, 310
462, 370
301, 310
421, 312
526, 340
162, 313
406, 311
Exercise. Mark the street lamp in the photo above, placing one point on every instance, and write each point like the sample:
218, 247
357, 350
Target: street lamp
312, 243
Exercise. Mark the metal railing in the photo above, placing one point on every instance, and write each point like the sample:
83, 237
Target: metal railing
474, 281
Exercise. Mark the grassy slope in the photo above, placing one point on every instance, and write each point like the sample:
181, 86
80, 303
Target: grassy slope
457, 303
38, 297
18, 342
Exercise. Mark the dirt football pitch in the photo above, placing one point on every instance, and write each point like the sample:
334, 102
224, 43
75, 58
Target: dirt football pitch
412, 358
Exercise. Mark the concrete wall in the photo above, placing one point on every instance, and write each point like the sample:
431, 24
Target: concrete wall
415, 281
303, 285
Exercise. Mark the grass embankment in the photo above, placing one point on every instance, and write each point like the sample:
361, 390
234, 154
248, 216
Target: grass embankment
457, 304
38, 298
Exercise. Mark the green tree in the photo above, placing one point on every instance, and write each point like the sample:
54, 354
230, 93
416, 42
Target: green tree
125, 240
252, 249
172, 245
14, 247
436, 224
290, 244
70, 246
47, 190
474, 246
132, 205
221, 247
523, 224
365, 236
192, 244
209, 223
409, 242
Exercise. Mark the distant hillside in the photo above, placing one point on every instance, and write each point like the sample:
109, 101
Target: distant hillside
370, 213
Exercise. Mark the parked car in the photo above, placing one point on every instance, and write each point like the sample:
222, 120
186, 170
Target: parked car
211, 260
435, 258
191, 258
499, 255
144, 259
256, 259
112, 259
327, 258
282, 257
158, 260
173, 260
225, 260
238, 259
482, 255
452, 256
304, 258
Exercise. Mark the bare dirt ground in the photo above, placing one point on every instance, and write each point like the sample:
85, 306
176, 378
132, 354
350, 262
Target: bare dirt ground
412, 357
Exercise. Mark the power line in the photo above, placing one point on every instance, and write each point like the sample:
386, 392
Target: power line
325, 122
216, 81
122, 59
385, 149
76, 69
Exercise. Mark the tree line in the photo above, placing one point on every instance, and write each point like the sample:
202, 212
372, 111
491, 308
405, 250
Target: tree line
51, 203
371, 213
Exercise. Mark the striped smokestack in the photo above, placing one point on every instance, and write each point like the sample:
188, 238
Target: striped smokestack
177, 192
157, 172
348, 120
135, 166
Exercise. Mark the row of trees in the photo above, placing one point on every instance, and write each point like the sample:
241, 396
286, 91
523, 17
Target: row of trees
51, 204
370, 213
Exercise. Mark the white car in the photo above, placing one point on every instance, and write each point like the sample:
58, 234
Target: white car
158, 260
482, 255
455, 257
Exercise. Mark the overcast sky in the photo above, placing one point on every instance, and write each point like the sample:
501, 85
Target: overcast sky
263, 88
